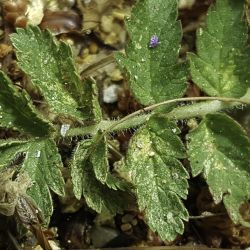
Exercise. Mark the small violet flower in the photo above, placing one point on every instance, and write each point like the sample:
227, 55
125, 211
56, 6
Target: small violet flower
154, 41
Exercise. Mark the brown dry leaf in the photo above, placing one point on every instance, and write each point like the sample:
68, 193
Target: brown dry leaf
11, 190
59, 22
4, 50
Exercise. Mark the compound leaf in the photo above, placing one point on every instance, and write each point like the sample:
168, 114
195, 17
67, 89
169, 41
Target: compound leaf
154, 73
50, 66
158, 176
41, 160
220, 149
221, 66
17, 111
97, 195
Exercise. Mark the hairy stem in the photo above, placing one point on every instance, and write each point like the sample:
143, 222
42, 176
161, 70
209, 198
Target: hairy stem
212, 104
155, 106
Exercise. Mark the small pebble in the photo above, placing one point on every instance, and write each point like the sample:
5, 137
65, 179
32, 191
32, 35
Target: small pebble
116, 75
127, 218
126, 227
110, 94
101, 236
93, 48
87, 1
134, 222
106, 23
186, 4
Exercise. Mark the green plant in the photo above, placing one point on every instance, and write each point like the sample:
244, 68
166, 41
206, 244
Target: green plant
217, 147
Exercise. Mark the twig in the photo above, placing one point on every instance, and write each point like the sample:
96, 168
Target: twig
114, 151
95, 66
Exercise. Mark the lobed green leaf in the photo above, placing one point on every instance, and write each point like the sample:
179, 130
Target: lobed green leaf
17, 111
158, 176
50, 66
85, 182
154, 73
220, 67
220, 149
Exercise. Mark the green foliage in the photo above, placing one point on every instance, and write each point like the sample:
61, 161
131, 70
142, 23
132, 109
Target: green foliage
49, 65
38, 157
90, 102
158, 176
99, 159
153, 72
17, 111
98, 196
221, 67
220, 150
42, 162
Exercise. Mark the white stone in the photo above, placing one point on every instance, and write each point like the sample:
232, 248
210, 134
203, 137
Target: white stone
110, 94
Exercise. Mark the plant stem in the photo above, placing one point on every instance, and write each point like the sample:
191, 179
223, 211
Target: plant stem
105, 124
116, 153
155, 106
212, 104
204, 216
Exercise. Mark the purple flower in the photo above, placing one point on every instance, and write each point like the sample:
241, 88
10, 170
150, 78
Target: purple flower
154, 41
